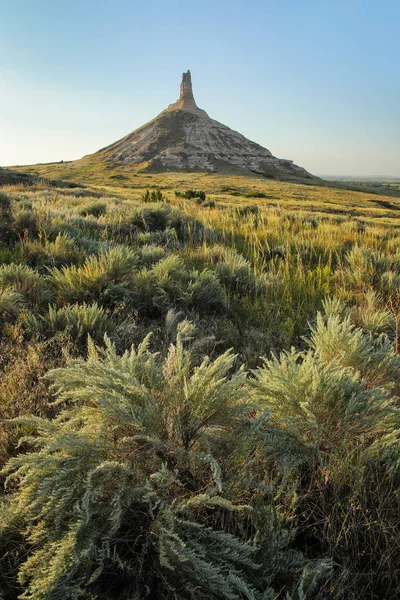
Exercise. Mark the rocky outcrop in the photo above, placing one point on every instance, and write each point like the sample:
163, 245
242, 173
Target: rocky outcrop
186, 87
184, 137
186, 99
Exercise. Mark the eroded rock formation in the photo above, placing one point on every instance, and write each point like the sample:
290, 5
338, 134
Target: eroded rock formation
184, 137
186, 99
186, 87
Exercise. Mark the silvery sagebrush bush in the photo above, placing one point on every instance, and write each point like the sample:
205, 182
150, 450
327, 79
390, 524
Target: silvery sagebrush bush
123, 494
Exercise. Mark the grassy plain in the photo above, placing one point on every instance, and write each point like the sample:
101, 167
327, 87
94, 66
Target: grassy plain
272, 472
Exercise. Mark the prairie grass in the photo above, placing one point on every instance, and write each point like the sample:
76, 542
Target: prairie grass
248, 442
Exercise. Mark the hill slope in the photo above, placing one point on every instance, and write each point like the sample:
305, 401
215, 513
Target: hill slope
184, 138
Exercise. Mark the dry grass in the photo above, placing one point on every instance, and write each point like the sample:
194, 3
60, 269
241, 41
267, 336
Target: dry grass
251, 265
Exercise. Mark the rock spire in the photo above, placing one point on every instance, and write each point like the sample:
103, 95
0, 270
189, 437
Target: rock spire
186, 99
186, 87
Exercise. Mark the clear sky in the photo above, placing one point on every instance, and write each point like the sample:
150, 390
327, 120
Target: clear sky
317, 81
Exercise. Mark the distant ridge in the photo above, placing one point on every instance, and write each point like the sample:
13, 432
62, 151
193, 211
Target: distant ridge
184, 138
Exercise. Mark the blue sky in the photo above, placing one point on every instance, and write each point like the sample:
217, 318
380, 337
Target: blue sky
317, 81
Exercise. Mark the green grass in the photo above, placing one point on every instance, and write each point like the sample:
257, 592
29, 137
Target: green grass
260, 417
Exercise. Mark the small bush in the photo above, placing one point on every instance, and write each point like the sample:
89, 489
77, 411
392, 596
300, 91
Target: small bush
95, 210
33, 287
151, 254
65, 250
163, 219
245, 211
204, 292
7, 232
77, 320
335, 339
235, 272
11, 302
364, 267
5, 206
153, 196
104, 278
192, 194
25, 223
170, 284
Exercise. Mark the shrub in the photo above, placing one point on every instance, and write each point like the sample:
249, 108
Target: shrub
321, 410
151, 254
7, 254
371, 316
169, 281
96, 209
153, 196
11, 302
147, 296
77, 320
245, 211
33, 288
335, 339
339, 390
5, 206
64, 250
170, 284
204, 292
134, 460
163, 219
331, 415
167, 239
364, 267
25, 223
103, 278
155, 219
76, 227
235, 272
192, 194
7, 233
